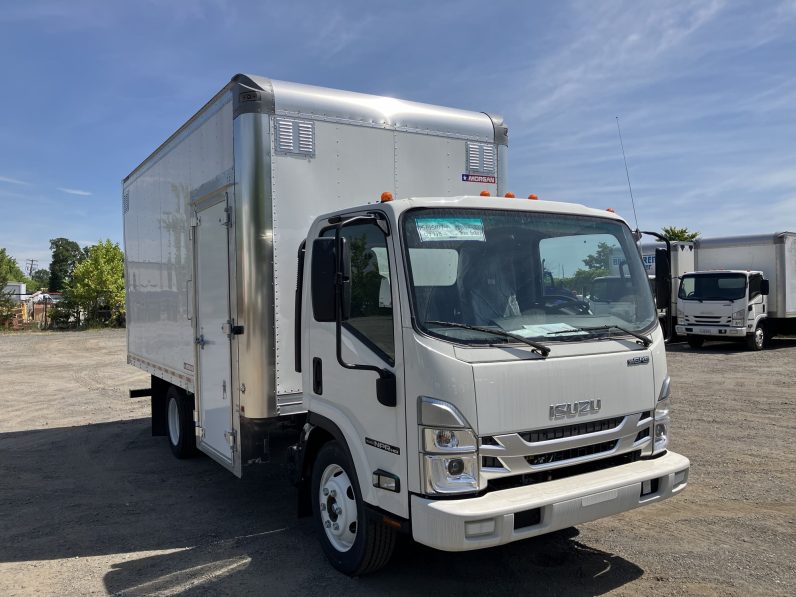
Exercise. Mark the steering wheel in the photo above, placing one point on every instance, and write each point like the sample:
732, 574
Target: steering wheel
580, 307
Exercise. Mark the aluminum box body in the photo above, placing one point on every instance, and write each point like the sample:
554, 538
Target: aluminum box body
278, 154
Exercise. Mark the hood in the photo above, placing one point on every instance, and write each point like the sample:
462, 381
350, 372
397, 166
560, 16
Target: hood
517, 395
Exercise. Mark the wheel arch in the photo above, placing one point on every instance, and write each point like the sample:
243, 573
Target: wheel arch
320, 430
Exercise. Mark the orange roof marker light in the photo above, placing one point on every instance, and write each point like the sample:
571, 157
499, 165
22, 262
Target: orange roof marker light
611, 209
534, 197
510, 195
485, 194
386, 196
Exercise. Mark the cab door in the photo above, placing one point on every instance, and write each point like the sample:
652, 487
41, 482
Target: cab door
375, 433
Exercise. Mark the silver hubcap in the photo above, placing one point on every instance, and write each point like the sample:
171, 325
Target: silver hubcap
338, 508
174, 422
759, 337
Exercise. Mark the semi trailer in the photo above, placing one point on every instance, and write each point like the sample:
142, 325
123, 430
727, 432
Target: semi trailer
742, 288
431, 384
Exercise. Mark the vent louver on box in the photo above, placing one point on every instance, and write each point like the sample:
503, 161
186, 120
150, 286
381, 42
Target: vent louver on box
480, 158
126, 202
295, 136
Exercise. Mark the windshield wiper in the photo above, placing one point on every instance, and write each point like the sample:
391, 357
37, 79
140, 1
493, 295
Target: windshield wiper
645, 339
543, 350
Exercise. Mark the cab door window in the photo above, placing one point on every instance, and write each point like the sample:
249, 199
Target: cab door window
755, 284
371, 319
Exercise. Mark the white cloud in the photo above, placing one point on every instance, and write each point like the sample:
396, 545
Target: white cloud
12, 180
75, 192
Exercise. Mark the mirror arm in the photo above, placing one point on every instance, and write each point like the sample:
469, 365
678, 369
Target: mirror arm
385, 386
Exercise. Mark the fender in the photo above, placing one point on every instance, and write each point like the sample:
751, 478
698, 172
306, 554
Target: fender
304, 454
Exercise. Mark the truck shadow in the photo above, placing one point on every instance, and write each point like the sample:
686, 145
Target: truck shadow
112, 490
729, 347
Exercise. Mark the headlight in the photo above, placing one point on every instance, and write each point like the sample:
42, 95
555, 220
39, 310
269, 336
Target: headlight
661, 422
449, 449
448, 440
739, 318
451, 474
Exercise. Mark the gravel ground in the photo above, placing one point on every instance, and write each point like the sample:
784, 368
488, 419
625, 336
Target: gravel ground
90, 503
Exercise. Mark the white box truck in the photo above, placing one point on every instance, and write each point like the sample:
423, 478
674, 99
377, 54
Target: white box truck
434, 387
742, 287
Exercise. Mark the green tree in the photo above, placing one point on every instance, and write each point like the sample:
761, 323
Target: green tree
40, 279
675, 233
600, 259
9, 272
597, 265
97, 284
66, 255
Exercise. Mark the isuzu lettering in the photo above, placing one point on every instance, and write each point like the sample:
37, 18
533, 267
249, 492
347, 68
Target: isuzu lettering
433, 385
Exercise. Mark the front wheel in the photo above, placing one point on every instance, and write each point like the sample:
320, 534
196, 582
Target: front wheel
757, 339
695, 341
354, 544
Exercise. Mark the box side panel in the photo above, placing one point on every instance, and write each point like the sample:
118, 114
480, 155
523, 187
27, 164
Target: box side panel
433, 166
352, 166
158, 248
789, 275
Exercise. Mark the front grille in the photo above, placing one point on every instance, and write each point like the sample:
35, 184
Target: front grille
543, 435
571, 453
557, 448
707, 319
499, 483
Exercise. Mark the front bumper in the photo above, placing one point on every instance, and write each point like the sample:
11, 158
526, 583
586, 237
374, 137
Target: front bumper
489, 520
701, 330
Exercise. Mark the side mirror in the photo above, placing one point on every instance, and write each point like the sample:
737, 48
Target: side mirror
663, 280
764, 288
385, 389
344, 279
322, 279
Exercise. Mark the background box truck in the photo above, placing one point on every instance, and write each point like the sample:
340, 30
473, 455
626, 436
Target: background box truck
432, 385
743, 287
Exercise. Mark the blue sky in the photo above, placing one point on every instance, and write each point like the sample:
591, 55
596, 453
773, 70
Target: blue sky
705, 91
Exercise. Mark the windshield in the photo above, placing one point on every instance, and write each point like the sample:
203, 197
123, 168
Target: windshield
713, 287
535, 275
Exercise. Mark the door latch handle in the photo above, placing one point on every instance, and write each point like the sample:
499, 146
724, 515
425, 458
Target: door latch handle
201, 341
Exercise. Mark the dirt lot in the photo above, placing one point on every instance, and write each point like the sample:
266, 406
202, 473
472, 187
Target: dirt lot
90, 503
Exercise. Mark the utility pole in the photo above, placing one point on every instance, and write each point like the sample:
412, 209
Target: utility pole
31, 264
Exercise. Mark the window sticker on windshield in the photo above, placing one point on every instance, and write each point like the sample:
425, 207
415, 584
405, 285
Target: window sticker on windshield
442, 229
547, 329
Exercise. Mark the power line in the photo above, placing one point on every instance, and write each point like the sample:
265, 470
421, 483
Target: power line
31, 264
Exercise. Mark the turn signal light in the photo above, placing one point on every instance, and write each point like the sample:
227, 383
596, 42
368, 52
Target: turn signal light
510, 195
532, 196
485, 193
611, 209
386, 196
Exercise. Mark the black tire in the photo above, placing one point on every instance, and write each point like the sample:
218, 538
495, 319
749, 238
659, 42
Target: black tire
180, 429
757, 339
695, 341
373, 542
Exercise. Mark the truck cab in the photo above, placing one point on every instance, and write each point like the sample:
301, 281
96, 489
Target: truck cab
723, 304
451, 397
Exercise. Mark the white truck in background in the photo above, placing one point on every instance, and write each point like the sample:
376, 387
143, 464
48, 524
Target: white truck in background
742, 287
427, 382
